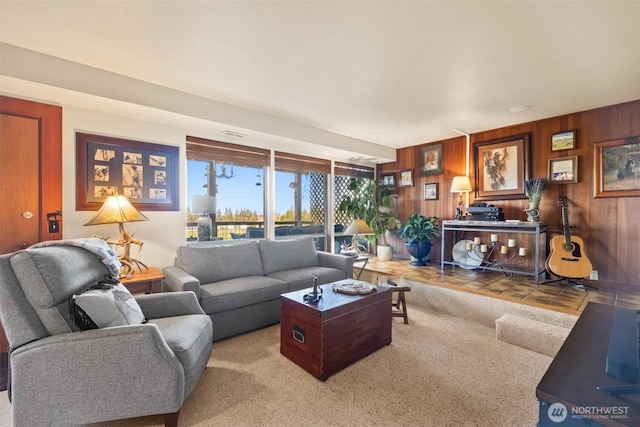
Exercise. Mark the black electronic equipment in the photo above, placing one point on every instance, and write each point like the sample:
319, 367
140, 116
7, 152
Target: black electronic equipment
483, 212
623, 357
487, 216
475, 209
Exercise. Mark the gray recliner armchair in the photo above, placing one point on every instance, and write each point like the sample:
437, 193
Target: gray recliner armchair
62, 376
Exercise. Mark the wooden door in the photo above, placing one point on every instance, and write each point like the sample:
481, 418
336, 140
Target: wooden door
30, 175
19, 225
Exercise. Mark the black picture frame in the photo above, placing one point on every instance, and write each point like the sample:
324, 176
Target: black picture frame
501, 166
614, 164
388, 180
431, 160
431, 191
146, 173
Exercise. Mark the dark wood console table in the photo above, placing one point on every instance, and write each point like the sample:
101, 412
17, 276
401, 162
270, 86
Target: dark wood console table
576, 371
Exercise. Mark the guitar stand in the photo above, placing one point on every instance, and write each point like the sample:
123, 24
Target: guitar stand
571, 283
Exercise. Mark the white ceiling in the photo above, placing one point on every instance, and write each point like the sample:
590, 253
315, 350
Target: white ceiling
392, 73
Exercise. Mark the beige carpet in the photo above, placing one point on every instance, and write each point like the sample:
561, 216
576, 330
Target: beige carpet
438, 371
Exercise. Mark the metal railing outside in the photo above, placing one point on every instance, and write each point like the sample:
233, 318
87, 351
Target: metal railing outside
227, 230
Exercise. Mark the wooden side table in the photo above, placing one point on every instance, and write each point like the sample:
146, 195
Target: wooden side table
399, 307
147, 282
398, 303
363, 259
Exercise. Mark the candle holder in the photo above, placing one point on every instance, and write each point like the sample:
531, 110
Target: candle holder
496, 256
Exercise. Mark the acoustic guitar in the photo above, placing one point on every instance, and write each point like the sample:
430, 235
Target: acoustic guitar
567, 257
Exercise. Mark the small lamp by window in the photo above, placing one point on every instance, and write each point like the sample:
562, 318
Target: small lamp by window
357, 226
204, 205
460, 184
118, 210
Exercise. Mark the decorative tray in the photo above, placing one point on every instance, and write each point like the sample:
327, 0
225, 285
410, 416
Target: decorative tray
462, 256
355, 288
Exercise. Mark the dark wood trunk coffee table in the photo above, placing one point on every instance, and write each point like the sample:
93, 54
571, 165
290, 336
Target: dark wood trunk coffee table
340, 329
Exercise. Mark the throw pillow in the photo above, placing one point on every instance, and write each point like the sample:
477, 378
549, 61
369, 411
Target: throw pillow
109, 303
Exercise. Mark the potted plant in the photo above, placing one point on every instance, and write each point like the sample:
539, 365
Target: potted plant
533, 189
376, 209
418, 233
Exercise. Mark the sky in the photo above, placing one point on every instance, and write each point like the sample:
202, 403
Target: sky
241, 191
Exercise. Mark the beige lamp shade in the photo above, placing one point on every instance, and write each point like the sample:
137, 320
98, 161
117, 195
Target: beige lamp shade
461, 184
204, 204
116, 210
357, 226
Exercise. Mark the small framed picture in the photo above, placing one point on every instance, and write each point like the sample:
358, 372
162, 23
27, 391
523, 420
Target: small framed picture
406, 178
563, 140
564, 170
431, 191
615, 168
431, 160
388, 180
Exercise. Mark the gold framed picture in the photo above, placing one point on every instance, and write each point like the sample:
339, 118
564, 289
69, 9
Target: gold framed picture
563, 140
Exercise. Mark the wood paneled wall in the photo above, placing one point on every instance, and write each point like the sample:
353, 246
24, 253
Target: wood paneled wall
608, 226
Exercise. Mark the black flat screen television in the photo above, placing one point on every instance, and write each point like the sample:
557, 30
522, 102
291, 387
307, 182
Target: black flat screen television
623, 355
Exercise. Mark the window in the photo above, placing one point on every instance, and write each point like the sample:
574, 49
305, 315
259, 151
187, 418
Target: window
236, 174
301, 196
233, 174
343, 172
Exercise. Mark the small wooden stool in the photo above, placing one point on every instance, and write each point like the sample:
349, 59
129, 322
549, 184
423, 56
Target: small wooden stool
399, 307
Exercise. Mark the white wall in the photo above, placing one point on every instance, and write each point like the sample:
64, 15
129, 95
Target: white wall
165, 230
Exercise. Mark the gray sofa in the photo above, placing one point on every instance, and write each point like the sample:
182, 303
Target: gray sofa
239, 283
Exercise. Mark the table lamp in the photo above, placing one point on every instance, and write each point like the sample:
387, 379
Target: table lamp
357, 226
460, 184
204, 205
118, 210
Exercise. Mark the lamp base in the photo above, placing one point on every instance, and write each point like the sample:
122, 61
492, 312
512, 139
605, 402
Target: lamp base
128, 266
355, 246
461, 210
124, 241
204, 228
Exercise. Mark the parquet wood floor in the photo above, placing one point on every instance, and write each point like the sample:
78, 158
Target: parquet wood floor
556, 296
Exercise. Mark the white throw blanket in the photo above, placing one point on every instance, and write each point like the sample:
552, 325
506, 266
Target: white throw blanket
96, 246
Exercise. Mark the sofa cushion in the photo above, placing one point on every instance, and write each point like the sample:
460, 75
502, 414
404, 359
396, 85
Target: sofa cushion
48, 276
239, 292
222, 262
302, 278
105, 305
183, 335
280, 255
189, 337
